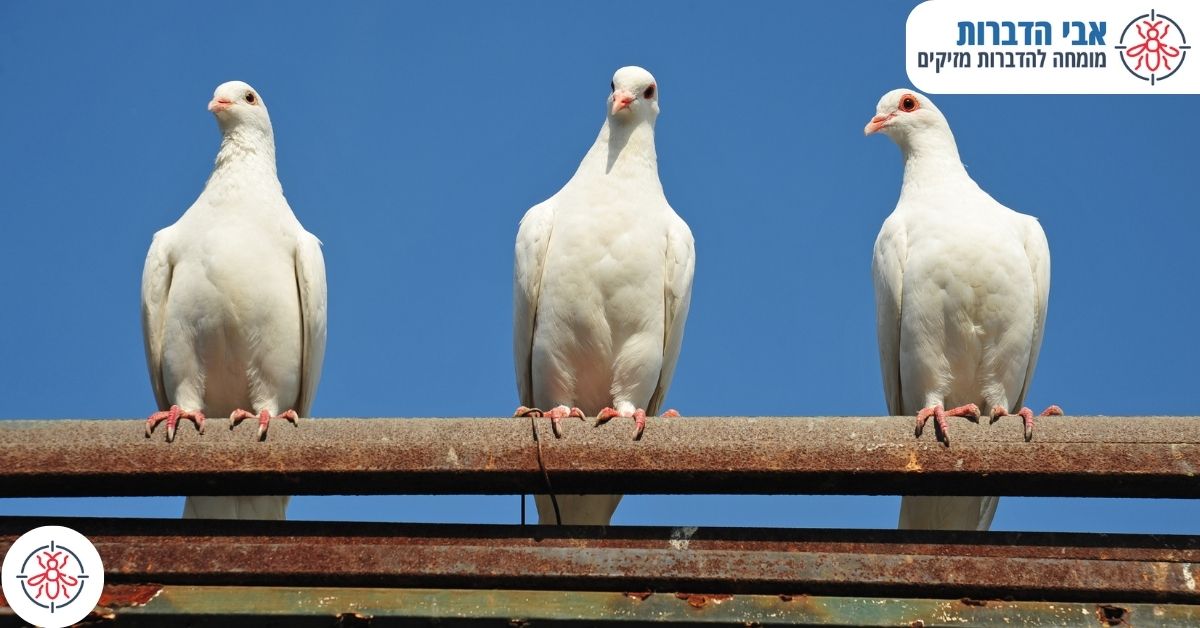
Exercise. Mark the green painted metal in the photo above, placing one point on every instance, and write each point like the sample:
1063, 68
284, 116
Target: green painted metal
280, 606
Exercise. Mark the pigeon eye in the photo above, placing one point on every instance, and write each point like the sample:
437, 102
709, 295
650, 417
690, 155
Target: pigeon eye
908, 103
250, 97
649, 93
612, 86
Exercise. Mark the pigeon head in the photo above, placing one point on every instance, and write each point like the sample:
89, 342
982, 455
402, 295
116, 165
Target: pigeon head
634, 95
238, 106
902, 114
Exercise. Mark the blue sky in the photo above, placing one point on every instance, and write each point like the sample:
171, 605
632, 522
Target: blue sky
413, 136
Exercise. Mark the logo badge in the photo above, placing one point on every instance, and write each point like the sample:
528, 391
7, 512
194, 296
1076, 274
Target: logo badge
1039, 47
52, 576
1153, 47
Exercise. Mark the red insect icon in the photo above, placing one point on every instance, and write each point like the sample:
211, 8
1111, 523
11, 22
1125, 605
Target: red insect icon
52, 583
1153, 52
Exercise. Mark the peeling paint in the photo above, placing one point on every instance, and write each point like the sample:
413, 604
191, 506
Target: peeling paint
697, 600
680, 537
1182, 460
1110, 615
128, 595
116, 597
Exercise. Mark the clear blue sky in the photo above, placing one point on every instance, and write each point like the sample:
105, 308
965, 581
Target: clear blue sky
413, 136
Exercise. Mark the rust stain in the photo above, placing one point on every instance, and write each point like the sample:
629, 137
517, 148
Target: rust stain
641, 597
1112, 615
1025, 565
698, 600
969, 602
125, 595
118, 596
353, 620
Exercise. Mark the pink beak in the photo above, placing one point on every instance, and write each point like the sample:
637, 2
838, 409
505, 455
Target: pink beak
877, 123
621, 100
218, 105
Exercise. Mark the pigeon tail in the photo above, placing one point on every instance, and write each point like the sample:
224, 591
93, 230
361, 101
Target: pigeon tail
270, 507
947, 513
590, 510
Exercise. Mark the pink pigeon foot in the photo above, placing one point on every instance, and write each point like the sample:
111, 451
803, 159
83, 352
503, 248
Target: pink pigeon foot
939, 419
264, 420
1026, 417
638, 416
172, 418
556, 415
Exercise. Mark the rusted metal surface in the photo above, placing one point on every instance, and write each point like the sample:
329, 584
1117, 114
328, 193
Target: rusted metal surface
1044, 566
1069, 456
117, 598
225, 607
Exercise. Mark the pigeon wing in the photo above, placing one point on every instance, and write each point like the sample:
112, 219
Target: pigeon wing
533, 241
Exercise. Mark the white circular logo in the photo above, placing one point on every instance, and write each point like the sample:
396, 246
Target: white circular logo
52, 576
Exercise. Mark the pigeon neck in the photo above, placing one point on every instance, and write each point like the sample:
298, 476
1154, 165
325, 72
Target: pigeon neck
244, 155
624, 150
931, 157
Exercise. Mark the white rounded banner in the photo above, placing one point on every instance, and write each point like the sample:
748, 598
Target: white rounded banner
1063, 47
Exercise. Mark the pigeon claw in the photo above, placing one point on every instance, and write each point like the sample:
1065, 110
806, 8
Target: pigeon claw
556, 415
941, 429
939, 415
638, 416
606, 415
923, 416
264, 420
172, 417
1026, 417
559, 413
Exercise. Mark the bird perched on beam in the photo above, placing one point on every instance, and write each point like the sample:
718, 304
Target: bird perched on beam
602, 284
961, 288
234, 299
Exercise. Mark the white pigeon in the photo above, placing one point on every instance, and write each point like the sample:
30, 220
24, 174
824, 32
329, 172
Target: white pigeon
602, 284
961, 288
234, 299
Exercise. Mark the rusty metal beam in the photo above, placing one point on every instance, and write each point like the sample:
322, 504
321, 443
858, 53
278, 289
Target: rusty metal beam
864, 563
224, 607
1070, 456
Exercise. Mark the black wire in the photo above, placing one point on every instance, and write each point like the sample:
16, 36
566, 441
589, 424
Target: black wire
545, 474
